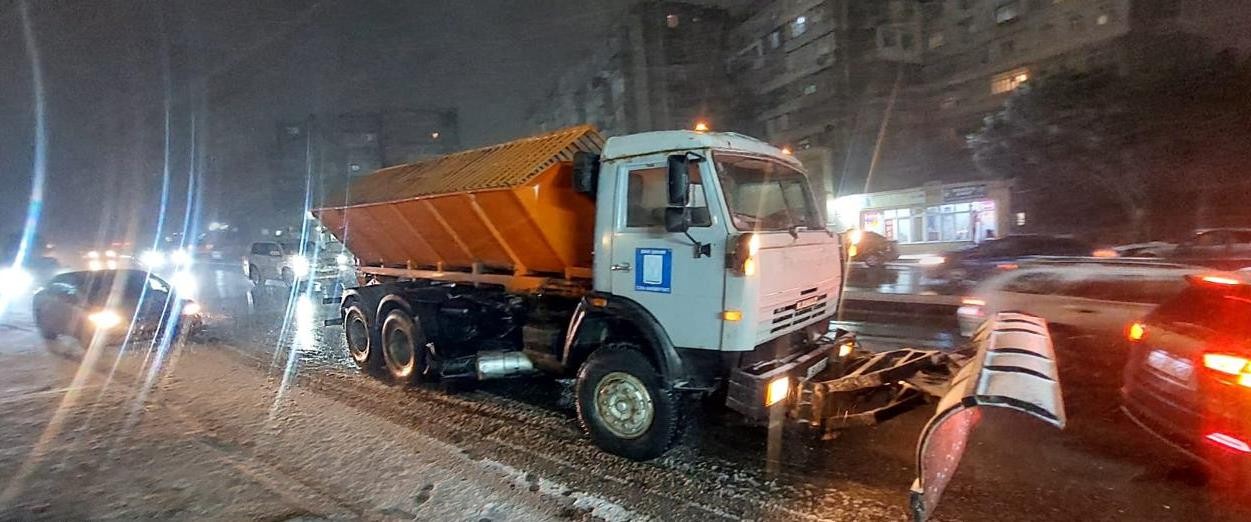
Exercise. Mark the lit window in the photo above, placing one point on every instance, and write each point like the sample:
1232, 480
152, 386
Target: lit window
936, 40
1102, 20
810, 89
1006, 12
1008, 81
671, 21
799, 26
775, 39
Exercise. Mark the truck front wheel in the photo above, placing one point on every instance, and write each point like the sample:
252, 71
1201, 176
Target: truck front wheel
625, 405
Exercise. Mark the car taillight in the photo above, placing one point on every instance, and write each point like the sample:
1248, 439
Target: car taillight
1135, 331
1236, 367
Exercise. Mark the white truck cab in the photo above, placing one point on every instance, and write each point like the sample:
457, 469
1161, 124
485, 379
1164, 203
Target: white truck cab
736, 256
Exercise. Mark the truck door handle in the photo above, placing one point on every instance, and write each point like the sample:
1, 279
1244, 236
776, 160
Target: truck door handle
620, 267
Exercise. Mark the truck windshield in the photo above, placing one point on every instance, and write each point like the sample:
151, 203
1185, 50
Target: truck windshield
763, 194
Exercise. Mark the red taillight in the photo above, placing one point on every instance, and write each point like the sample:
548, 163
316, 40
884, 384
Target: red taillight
1237, 367
1229, 441
1136, 331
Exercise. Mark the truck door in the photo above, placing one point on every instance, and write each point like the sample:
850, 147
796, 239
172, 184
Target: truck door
658, 269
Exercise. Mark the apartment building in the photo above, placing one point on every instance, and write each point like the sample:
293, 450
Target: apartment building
660, 68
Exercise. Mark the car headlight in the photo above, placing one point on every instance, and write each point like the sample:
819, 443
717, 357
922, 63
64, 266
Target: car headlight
95, 264
15, 280
299, 266
180, 257
184, 283
152, 259
105, 319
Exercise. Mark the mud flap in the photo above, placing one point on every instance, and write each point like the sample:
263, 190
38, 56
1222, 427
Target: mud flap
1014, 368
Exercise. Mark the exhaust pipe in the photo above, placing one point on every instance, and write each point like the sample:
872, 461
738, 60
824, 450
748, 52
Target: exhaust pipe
494, 365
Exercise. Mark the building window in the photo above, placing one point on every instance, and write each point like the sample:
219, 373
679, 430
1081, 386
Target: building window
1009, 81
936, 40
775, 39
1102, 20
1007, 12
799, 26
973, 221
810, 89
671, 21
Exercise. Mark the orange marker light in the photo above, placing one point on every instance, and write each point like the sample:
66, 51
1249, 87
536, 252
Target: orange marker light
1136, 332
701, 127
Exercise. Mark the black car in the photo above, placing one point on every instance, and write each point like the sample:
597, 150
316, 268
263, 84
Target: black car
871, 248
1188, 378
976, 262
110, 305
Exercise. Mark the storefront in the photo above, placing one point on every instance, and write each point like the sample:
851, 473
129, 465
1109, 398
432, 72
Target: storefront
931, 218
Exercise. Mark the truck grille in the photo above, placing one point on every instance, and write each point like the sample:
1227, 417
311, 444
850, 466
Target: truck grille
798, 312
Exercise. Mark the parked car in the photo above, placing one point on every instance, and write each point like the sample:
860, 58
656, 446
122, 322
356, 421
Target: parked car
1220, 248
977, 262
1082, 297
870, 248
1188, 378
111, 304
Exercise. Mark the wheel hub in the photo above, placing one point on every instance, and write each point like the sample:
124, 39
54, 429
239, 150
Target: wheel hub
358, 338
624, 405
400, 350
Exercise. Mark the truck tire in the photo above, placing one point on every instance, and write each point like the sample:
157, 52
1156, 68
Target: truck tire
403, 348
624, 404
361, 343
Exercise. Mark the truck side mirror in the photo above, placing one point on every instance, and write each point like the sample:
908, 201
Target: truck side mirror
677, 219
585, 172
679, 180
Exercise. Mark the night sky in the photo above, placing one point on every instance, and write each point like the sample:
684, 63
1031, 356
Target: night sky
110, 68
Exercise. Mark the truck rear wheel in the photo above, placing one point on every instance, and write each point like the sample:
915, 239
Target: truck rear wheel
403, 347
360, 341
625, 405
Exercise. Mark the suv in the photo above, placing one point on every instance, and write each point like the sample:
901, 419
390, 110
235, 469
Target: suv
1188, 379
1096, 298
274, 261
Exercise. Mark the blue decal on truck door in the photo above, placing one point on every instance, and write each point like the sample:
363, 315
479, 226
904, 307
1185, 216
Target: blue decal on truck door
653, 270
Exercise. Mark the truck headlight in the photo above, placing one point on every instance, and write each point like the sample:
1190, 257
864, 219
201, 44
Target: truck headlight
191, 308
777, 390
743, 259
341, 260
105, 319
299, 266
184, 283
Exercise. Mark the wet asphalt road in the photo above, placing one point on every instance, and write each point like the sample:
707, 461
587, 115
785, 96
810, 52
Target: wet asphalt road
1102, 468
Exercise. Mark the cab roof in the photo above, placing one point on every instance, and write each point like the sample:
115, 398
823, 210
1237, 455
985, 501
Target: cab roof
665, 141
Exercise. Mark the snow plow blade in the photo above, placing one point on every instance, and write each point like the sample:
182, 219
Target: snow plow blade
1014, 368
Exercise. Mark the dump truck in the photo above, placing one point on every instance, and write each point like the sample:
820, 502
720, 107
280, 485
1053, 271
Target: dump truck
654, 269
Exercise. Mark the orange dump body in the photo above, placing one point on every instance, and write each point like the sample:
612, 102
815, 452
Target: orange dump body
508, 207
